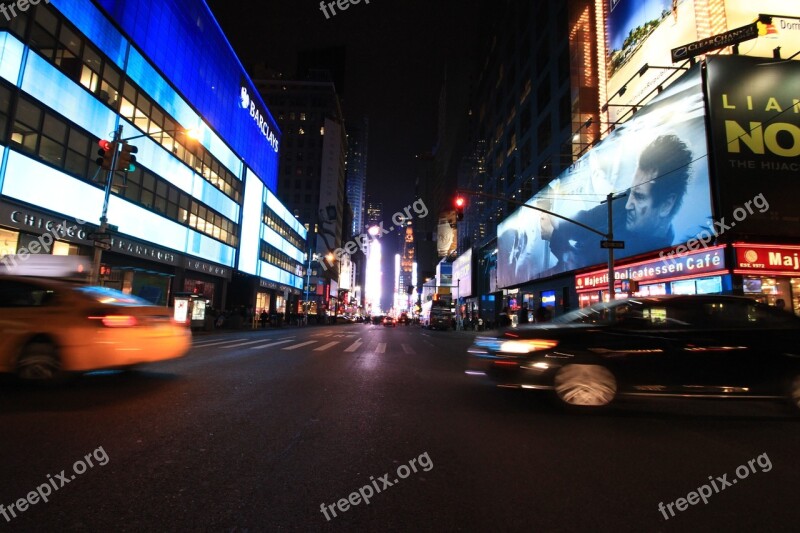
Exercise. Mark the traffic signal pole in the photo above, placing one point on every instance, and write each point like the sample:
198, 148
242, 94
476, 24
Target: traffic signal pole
98, 251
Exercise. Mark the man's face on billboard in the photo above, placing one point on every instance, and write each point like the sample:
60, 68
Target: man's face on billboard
644, 213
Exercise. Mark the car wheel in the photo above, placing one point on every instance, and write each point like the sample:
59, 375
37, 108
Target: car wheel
39, 362
585, 385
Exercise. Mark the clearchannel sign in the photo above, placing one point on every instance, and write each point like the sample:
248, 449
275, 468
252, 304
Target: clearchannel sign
259, 116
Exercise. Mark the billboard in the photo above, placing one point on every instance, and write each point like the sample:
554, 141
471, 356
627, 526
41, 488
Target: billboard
446, 233
658, 160
462, 274
755, 133
640, 32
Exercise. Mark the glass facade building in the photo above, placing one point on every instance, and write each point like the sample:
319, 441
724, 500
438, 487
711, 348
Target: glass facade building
195, 215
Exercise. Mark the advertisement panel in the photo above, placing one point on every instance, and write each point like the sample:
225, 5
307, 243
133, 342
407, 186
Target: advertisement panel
462, 274
658, 159
644, 32
767, 259
446, 233
755, 132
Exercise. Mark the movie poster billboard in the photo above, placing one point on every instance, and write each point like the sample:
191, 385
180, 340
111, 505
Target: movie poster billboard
658, 159
755, 133
643, 32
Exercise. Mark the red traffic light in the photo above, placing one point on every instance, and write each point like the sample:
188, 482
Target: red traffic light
460, 201
104, 145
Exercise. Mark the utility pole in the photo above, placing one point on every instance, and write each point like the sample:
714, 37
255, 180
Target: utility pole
98, 250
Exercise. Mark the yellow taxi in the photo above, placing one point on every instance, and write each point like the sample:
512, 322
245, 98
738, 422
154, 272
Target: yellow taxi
49, 328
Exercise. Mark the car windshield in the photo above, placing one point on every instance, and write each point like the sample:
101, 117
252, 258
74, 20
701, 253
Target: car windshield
108, 296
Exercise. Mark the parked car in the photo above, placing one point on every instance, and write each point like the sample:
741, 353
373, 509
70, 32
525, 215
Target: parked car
389, 322
50, 328
687, 346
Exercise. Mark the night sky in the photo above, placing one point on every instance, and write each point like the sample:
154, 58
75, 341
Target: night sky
397, 53
396, 56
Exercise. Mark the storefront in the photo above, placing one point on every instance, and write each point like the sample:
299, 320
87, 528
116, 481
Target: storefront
698, 272
769, 273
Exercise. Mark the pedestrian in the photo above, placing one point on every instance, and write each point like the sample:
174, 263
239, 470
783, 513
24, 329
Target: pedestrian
263, 318
505, 320
523, 314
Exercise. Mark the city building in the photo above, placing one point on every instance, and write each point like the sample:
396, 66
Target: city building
195, 214
357, 155
691, 113
312, 171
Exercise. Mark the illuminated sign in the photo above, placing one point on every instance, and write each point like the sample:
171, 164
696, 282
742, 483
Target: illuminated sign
700, 262
668, 137
248, 103
755, 133
715, 42
765, 258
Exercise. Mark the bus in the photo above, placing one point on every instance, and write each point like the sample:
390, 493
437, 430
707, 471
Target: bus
437, 315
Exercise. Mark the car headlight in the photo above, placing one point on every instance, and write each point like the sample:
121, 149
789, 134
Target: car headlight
527, 346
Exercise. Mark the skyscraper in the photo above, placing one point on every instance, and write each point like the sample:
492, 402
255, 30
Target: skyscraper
357, 150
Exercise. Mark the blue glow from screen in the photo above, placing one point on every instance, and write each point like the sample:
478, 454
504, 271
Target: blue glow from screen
183, 40
11, 51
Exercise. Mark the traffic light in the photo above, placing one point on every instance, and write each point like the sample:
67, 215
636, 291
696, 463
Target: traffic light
106, 153
460, 203
105, 270
127, 160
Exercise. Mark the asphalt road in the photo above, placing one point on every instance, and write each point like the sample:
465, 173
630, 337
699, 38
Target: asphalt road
255, 431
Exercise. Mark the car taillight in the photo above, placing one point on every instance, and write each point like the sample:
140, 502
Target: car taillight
116, 321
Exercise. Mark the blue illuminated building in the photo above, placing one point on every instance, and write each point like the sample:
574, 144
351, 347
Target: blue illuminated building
196, 215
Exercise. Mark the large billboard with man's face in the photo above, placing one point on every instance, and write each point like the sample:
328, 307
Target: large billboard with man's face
658, 160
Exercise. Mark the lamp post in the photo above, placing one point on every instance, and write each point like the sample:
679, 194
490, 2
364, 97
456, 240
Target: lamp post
117, 139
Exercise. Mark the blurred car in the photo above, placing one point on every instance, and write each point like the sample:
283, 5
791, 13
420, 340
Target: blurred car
686, 346
389, 322
403, 319
50, 328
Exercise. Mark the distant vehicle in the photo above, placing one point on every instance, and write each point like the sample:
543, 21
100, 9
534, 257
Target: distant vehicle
403, 319
684, 346
439, 317
50, 328
389, 322
377, 320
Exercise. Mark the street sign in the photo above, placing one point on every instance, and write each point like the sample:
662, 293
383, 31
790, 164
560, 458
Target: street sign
103, 245
612, 244
99, 237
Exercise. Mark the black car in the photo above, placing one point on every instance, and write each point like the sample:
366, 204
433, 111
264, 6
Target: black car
687, 346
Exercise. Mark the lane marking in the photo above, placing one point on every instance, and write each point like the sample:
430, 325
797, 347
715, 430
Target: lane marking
244, 343
218, 343
355, 346
326, 346
381, 348
296, 346
270, 344
407, 349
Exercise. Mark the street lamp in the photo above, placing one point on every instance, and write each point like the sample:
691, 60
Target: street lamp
115, 144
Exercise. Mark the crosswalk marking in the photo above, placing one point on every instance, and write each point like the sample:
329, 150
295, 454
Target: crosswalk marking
407, 349
355, 346
296, 346
244, 343
326, 346
217, 343
270, 344
381, 348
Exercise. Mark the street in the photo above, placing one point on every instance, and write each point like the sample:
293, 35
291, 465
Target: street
265, 430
